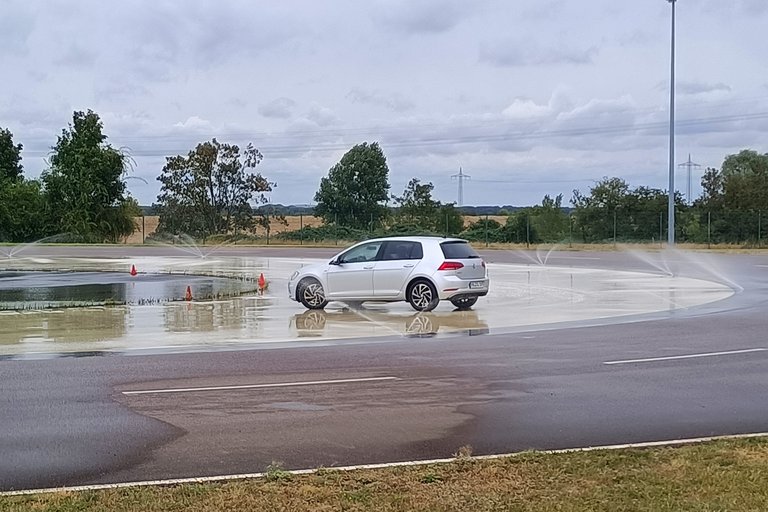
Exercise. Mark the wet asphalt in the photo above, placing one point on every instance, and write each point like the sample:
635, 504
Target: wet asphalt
68, 421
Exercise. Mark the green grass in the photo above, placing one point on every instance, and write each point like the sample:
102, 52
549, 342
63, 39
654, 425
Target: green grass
716, 476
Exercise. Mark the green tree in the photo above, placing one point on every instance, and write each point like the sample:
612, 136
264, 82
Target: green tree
10, 157
549, 221
712, 184
594, 212
612, 208
416, 206
484, 229
734, 198
356, 188
84, 187
22, 208
211, 190
520, 227
449, 220
745, 181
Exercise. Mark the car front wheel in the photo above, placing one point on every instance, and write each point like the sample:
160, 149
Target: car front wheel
422, 296
464, 302
311, 294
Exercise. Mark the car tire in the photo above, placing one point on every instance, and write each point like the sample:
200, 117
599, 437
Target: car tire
464, 302
312, 294
422, 295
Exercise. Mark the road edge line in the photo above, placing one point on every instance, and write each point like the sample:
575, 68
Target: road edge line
426, 462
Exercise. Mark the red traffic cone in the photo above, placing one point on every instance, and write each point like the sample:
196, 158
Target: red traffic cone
262, 283
188, 296
133, 270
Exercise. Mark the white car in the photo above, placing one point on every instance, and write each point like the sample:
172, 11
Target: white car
420, 270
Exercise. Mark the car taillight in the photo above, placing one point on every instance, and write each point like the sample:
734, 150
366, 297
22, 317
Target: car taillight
450, 265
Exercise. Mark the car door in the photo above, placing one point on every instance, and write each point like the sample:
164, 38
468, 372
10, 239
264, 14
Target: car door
397, 261
352, 275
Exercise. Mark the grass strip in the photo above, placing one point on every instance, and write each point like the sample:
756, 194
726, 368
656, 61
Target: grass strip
730, 475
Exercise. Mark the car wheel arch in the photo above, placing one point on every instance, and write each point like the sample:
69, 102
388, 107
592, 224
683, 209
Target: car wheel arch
304, 279
414, 279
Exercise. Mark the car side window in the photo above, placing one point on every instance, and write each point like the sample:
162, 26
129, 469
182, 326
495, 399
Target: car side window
400, 250
361, 253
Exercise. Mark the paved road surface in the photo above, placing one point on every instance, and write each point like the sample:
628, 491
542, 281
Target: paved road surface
116, 418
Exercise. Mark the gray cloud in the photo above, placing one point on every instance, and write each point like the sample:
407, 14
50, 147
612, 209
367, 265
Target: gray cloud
512, 53
16, 24
541, 86
394, 102
745, 7
693, 88
76, 56
279, 108
322, 116
424, 16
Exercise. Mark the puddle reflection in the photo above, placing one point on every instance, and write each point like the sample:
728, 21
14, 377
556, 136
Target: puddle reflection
328, 323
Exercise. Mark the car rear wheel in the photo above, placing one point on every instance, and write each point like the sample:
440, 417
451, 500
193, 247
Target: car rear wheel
464, 302
422, 296
311, 294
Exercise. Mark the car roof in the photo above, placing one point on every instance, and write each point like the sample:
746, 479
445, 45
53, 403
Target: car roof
416, 239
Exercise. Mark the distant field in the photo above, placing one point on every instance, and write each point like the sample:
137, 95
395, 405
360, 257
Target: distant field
294, 222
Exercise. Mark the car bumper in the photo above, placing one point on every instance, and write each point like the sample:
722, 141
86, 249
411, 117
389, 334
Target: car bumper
292, 290
451, 287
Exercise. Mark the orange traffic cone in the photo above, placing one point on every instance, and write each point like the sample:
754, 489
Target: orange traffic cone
133, 270
188, 296
262, 283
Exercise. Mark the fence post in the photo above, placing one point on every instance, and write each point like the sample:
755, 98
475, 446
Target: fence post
759, 227
446, 225
614, 228
336, 227
301, 229
527, 231
143, 229
570, 230
486, 230
661, 230
709, 230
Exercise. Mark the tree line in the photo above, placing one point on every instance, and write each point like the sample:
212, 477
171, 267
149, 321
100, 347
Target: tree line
215, 189
80, 197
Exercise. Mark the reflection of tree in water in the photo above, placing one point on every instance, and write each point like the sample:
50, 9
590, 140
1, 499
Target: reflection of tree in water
64, 325
211, 316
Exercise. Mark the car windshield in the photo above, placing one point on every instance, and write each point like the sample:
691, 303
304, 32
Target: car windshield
458, 250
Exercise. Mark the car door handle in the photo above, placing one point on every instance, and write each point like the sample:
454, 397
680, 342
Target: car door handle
368, 268
408, 265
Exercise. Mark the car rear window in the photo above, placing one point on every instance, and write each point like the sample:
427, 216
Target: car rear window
458, 250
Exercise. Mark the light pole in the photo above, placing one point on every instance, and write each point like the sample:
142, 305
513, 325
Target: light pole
671, 205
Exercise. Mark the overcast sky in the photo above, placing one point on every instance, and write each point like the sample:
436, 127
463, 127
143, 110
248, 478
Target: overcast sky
529, 97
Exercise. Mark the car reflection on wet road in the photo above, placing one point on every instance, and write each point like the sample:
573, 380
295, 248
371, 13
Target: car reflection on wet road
315, 323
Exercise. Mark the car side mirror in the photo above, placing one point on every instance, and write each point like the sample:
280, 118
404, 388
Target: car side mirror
334, 261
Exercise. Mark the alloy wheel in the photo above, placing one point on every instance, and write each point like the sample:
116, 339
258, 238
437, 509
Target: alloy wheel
314, 294
421, 295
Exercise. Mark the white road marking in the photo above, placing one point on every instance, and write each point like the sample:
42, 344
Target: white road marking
244, 476
573, 257
688, 356
258, 386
